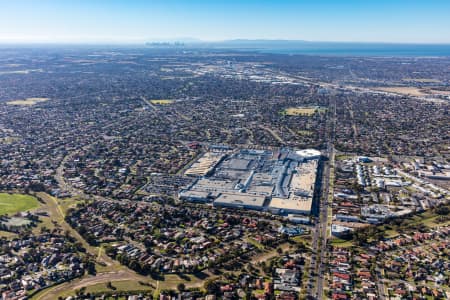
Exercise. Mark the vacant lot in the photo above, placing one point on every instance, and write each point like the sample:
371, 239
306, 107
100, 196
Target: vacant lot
161, 102
439, 92
13, 203
27, 102
422, 80
66, 204
9, 140
404, 90
336, 242
303, 111
305, 132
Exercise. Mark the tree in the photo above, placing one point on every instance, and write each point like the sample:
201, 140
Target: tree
443, 210
134, 265
110, 286
91, 267
211, 286
181, 287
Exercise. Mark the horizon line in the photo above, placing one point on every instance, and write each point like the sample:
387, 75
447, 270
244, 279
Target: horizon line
194, 41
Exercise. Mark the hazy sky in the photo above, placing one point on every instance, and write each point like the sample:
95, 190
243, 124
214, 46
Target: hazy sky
426, 21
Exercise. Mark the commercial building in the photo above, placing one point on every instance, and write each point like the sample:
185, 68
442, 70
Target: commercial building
195, 196
340, 231
239, 200
282, 181
205, 164
309, 154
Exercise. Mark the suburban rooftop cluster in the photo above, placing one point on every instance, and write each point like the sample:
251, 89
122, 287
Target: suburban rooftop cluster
220, 174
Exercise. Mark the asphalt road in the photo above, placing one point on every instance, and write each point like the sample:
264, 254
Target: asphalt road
320, 236
324, 225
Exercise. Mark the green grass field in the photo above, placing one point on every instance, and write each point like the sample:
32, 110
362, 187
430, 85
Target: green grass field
344, 156
305, 132
120, 286
161, 101
341, 243
13, 203
255, 243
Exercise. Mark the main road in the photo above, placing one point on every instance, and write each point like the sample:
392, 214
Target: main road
320, 236
322, 226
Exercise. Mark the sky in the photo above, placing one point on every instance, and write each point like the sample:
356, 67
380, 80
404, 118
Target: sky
138, 21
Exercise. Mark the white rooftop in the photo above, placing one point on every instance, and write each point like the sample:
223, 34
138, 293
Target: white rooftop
308, 153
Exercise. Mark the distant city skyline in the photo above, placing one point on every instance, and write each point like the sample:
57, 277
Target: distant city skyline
140, 21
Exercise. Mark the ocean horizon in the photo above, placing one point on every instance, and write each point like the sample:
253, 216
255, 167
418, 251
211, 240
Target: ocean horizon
432, 51
337, 48
276, 47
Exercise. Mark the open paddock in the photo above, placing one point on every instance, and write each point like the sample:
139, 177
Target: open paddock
27, 101
303, 111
